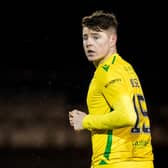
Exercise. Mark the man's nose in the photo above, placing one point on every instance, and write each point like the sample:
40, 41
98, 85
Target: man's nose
89, 42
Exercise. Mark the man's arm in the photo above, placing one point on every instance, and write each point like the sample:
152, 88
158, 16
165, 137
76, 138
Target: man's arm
118, 95
122, 116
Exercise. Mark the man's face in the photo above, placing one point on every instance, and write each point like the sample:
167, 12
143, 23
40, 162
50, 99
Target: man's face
97, 44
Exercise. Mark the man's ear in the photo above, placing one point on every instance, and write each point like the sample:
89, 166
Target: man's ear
113, 39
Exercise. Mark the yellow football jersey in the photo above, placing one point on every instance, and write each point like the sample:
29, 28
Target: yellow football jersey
118, 118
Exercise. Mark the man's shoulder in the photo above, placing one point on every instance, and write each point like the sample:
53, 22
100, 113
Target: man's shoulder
106, 73
118, 68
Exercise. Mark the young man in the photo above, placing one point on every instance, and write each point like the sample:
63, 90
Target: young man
118, 118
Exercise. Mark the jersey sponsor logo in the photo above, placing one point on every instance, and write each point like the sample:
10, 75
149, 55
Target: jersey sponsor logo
141, 143
112, 82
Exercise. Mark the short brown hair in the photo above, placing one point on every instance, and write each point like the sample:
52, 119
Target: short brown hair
99, 20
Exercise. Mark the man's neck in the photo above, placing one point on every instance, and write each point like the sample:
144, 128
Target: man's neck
97, 63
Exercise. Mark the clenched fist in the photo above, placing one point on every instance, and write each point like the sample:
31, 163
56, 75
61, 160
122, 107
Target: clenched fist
76, 118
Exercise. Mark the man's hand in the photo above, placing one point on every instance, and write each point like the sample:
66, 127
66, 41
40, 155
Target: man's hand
76, 118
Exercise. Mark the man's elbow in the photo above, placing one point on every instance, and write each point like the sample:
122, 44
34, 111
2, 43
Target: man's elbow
126, 122
131, 120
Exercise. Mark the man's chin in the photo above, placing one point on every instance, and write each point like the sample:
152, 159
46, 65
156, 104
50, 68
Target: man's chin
92, 59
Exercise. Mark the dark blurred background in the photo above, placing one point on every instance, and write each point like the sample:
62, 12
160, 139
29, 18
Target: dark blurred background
44, 74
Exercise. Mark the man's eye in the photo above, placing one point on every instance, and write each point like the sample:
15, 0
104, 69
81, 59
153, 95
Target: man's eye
95, 37
85, 37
